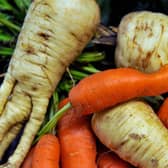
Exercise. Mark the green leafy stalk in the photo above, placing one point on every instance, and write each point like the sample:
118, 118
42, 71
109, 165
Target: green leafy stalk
22, 4
90, 69
90, 57
65, 85
4, 37
5, 5
4, 21
54, 104
53, 121
78, 74
5, 51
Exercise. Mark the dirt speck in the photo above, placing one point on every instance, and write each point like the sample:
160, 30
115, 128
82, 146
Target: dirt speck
30, 50
154, 163
34, 88
136, 136
45, 36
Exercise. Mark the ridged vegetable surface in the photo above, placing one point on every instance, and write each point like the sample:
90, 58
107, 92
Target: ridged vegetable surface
135, 133
142, 40
53, 34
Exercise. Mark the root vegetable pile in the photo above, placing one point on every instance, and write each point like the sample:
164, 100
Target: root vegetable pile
131, 129
53, 34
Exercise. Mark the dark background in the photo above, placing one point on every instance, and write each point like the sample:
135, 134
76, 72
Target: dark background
114, 10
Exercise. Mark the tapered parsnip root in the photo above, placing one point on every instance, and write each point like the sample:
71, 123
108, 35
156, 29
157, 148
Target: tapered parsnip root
53, 35
135, 133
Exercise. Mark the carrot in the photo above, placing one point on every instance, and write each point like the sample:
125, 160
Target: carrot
110, 87
53, 34
47, 152
163, 112
111, 160
78, 144
27, 163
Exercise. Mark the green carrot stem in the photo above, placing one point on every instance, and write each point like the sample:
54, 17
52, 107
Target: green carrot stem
4, 5
9, 24
66, 85
90, 69
54, 106
5, 51
5, 37
91, 57
53, 121
70, 75
78, 75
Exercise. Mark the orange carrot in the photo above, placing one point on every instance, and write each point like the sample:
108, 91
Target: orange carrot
78, 144
163, 112
47, 152
27, 163
111, 160
110, 87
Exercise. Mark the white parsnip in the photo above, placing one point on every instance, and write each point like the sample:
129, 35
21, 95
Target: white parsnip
142, 40
135, 133
53, 34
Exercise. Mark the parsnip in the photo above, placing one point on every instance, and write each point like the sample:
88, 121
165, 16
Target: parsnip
135, 133
142, 40
53, 34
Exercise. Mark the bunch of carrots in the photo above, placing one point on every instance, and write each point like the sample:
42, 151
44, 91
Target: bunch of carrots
74, 146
